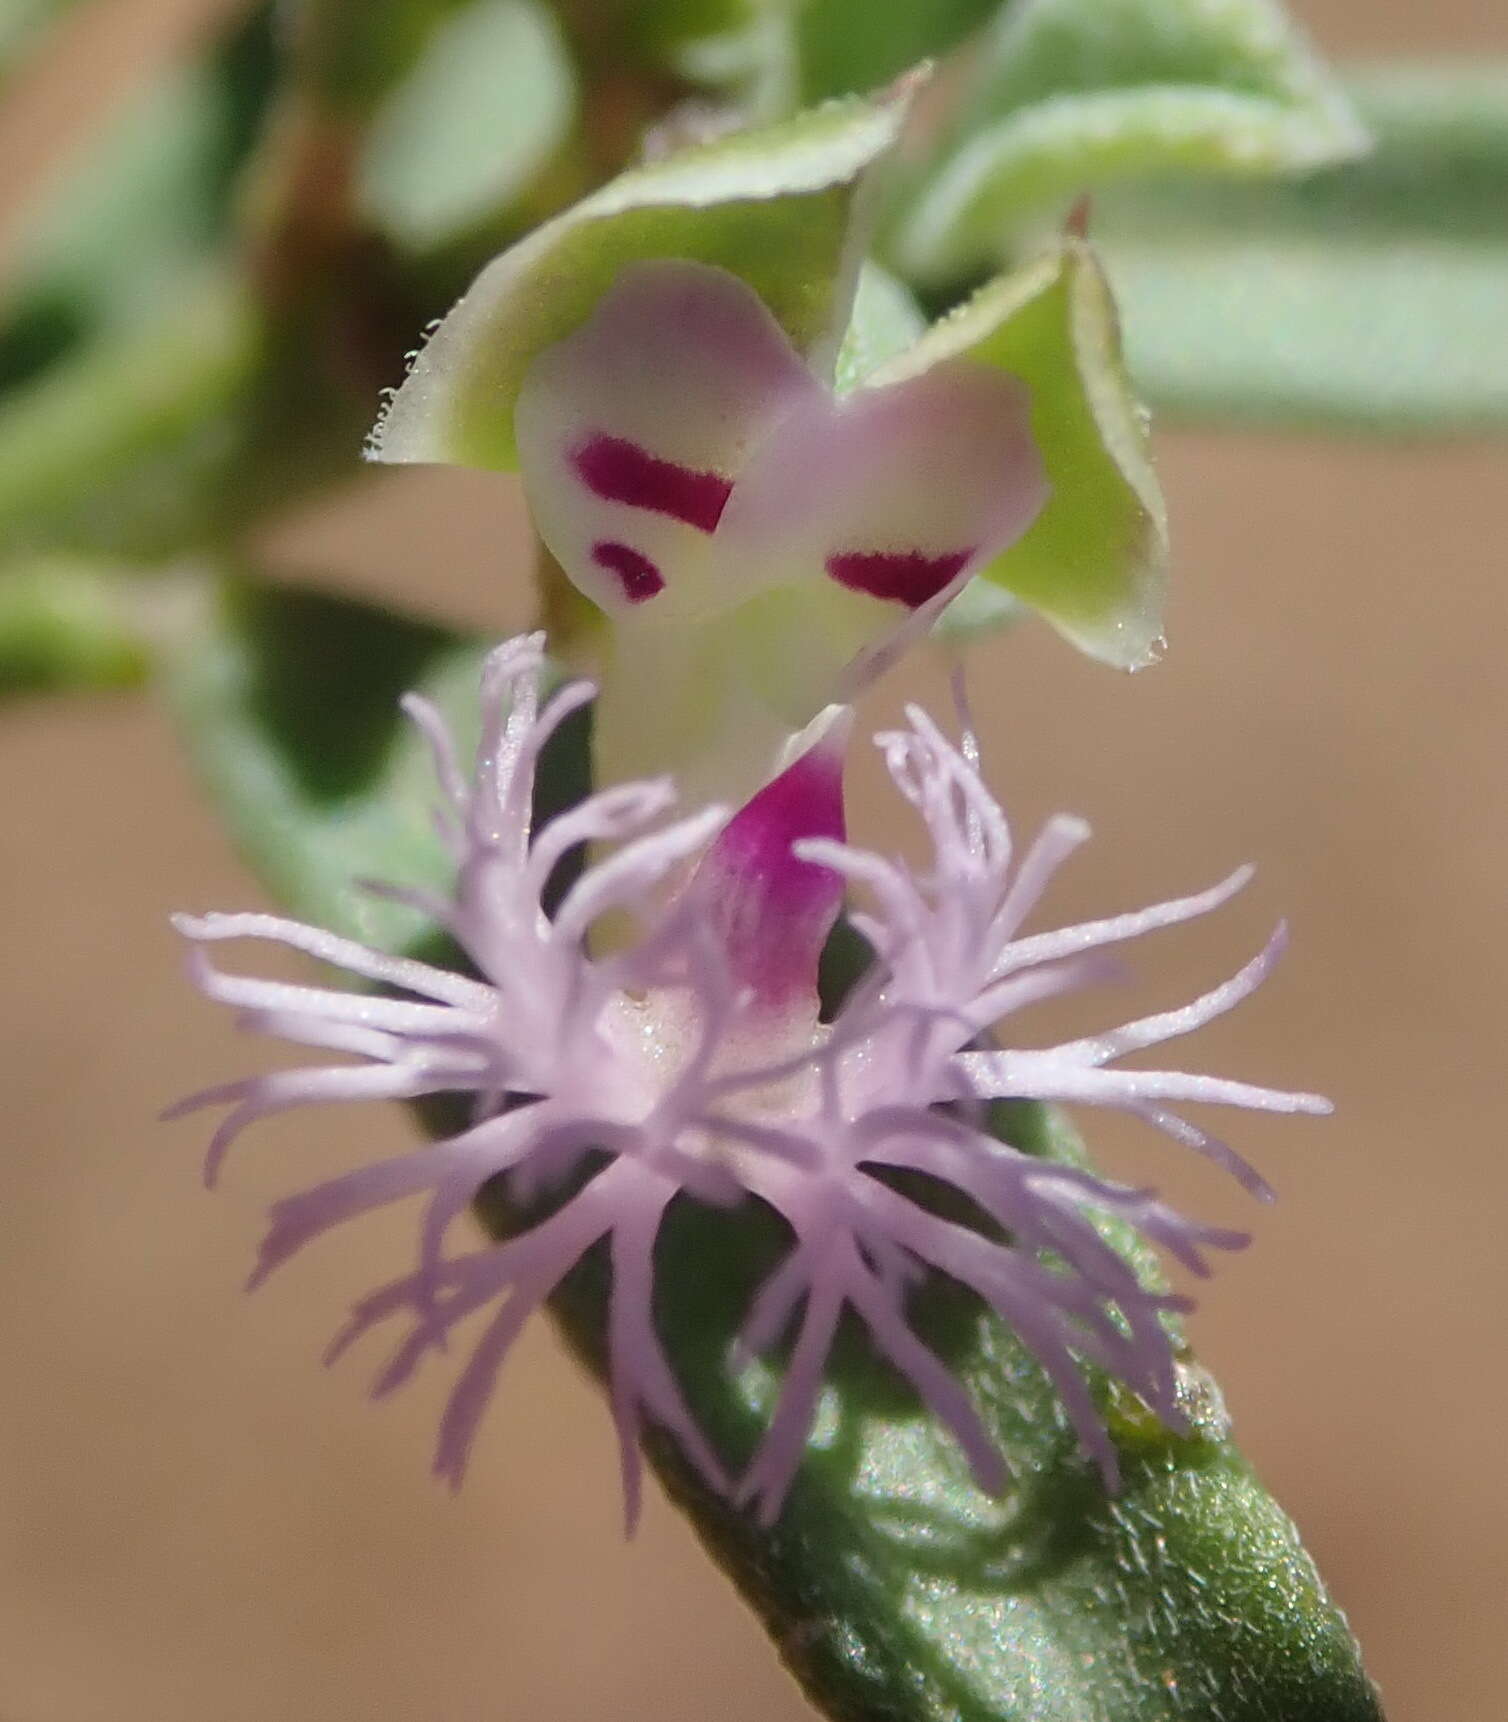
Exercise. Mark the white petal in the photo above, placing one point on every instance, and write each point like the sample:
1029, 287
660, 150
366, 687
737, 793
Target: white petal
875, 507
633, 429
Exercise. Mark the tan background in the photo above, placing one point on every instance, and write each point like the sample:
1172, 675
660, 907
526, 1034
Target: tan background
196, 1525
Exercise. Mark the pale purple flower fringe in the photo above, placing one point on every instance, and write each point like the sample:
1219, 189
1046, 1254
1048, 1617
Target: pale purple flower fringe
677, 1092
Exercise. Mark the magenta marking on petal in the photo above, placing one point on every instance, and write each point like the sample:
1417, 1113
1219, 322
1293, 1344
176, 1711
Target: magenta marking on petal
909, 577
636, 574
771, 910
617, 470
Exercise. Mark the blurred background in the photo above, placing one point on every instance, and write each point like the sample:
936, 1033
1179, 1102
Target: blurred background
198, 1525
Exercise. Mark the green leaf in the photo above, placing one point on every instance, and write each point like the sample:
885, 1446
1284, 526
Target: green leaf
851, 45
772, 206
128, 216
287, 702
134, 214
1094, 561
735, 46
1077, 94
67, 626
1370, 297
487, 104
22, 25
127, 447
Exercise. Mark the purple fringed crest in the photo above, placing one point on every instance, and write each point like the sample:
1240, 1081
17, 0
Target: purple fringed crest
691, 1058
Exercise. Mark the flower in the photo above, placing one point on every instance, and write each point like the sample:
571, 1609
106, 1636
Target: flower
750, 452
761, 543
687, 1061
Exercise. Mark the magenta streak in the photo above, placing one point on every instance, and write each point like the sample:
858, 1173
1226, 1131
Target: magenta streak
773, 912
909, 577
620, 471
637, 575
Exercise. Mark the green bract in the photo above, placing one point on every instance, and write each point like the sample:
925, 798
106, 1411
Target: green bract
1077, 93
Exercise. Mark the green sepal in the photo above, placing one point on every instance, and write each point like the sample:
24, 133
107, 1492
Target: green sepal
774, 206
884, 323
1076, 94
1094, 561
981, 609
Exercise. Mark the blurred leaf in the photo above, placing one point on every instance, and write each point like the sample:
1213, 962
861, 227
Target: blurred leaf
773, 206
349, 57
128, 447
1370, 297
717, 42
66, 625
784, 55
287, 702
139, 208
129, 213
843, 46
22, 25
488, 102
1093, 562
1075, 94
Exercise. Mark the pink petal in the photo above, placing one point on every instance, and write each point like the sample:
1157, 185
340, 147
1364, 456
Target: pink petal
632, 430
